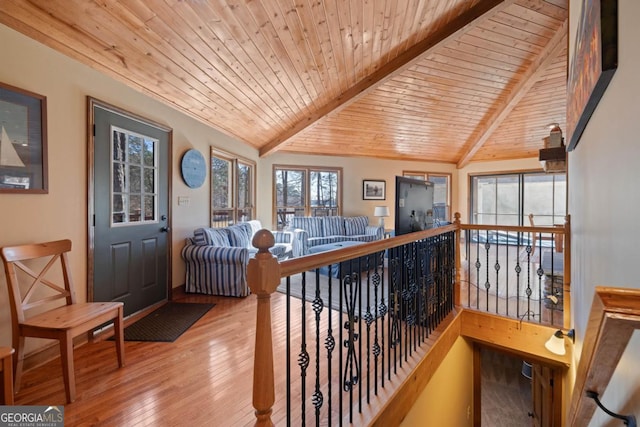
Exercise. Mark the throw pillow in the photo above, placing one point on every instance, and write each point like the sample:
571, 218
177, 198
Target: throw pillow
211, 237
239, 235
356, 225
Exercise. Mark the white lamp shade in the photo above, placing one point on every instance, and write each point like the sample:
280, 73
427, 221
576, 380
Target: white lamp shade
555, 344
381, 211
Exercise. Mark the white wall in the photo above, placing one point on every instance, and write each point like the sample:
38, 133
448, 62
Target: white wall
604, 202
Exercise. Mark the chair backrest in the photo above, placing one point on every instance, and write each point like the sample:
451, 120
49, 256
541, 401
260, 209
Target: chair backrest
28, 293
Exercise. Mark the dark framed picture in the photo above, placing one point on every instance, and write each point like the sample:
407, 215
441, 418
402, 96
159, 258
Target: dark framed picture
23, 141
373, 189
595, 60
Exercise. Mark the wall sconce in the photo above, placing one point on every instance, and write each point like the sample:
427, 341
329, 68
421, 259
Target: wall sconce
381, 212
629, 420
555, 344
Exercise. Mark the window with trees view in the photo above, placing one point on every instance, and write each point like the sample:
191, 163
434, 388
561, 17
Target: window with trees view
305, 191
232, 189
508, 199
134, 192
441, 192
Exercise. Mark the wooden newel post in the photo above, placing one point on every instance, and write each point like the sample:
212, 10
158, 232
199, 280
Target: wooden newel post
456, 292
263, 275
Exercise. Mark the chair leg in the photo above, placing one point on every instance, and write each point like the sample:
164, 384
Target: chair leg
118, 330
7, 376
18, 345
66, 356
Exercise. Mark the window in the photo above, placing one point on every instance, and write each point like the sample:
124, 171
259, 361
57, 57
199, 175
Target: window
232, 189
441, 192
508, 199
134, 192
305, 191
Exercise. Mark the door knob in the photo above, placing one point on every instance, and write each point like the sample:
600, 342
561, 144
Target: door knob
165, 229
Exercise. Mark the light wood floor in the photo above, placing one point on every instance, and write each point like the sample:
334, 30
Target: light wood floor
204, 378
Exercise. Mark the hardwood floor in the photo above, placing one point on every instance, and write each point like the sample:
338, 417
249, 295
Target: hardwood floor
203, 378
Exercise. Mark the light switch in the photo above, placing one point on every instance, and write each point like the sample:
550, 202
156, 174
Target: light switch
184, 201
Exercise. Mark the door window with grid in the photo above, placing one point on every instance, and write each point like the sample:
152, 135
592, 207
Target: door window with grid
133, 177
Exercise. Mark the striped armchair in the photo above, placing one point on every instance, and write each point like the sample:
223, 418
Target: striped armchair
216, 258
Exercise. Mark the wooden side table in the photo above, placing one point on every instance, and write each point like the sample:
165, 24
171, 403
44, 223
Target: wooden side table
6, 367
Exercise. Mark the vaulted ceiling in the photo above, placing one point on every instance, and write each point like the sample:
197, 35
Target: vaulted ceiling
436, 80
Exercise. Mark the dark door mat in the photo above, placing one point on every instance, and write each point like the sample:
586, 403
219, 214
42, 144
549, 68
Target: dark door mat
167, 323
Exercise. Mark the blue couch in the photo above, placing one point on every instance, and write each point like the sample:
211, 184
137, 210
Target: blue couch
313, 231
216, 258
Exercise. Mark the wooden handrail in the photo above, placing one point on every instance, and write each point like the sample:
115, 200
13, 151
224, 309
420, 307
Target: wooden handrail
516, 228
615, 314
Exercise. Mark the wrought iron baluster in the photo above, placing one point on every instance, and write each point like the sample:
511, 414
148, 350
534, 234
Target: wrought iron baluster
487, 285
540, 272
497, 269
288, 346
368, 320
303, 355
478, 266
351, 373
377, 349
330, 345
317, 305
518, 270
528, 291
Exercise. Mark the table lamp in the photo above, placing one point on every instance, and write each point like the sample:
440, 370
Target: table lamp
381, 212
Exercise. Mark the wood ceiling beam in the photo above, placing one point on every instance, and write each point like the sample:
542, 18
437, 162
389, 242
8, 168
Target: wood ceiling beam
482, 11
529, 78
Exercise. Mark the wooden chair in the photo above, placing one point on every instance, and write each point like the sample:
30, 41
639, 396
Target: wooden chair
62, 323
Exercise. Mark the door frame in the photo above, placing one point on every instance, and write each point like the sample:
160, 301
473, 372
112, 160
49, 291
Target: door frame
91, 104
559, 374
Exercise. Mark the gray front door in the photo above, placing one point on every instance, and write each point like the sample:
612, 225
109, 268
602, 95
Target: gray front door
130, 209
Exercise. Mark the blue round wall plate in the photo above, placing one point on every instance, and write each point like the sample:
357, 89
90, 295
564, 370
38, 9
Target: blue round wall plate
193, 168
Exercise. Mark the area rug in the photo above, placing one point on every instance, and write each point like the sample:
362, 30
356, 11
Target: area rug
324, 283
167, 323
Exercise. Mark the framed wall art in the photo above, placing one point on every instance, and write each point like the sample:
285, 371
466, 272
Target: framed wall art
23, 141
595, 60
373, 189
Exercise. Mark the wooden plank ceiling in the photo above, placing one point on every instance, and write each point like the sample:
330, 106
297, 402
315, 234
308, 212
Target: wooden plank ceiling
437, 80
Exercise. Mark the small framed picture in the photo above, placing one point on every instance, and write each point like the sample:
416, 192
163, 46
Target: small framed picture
23, 141
373, 189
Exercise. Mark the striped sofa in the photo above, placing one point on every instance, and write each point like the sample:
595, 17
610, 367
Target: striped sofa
216, 258
321, 230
